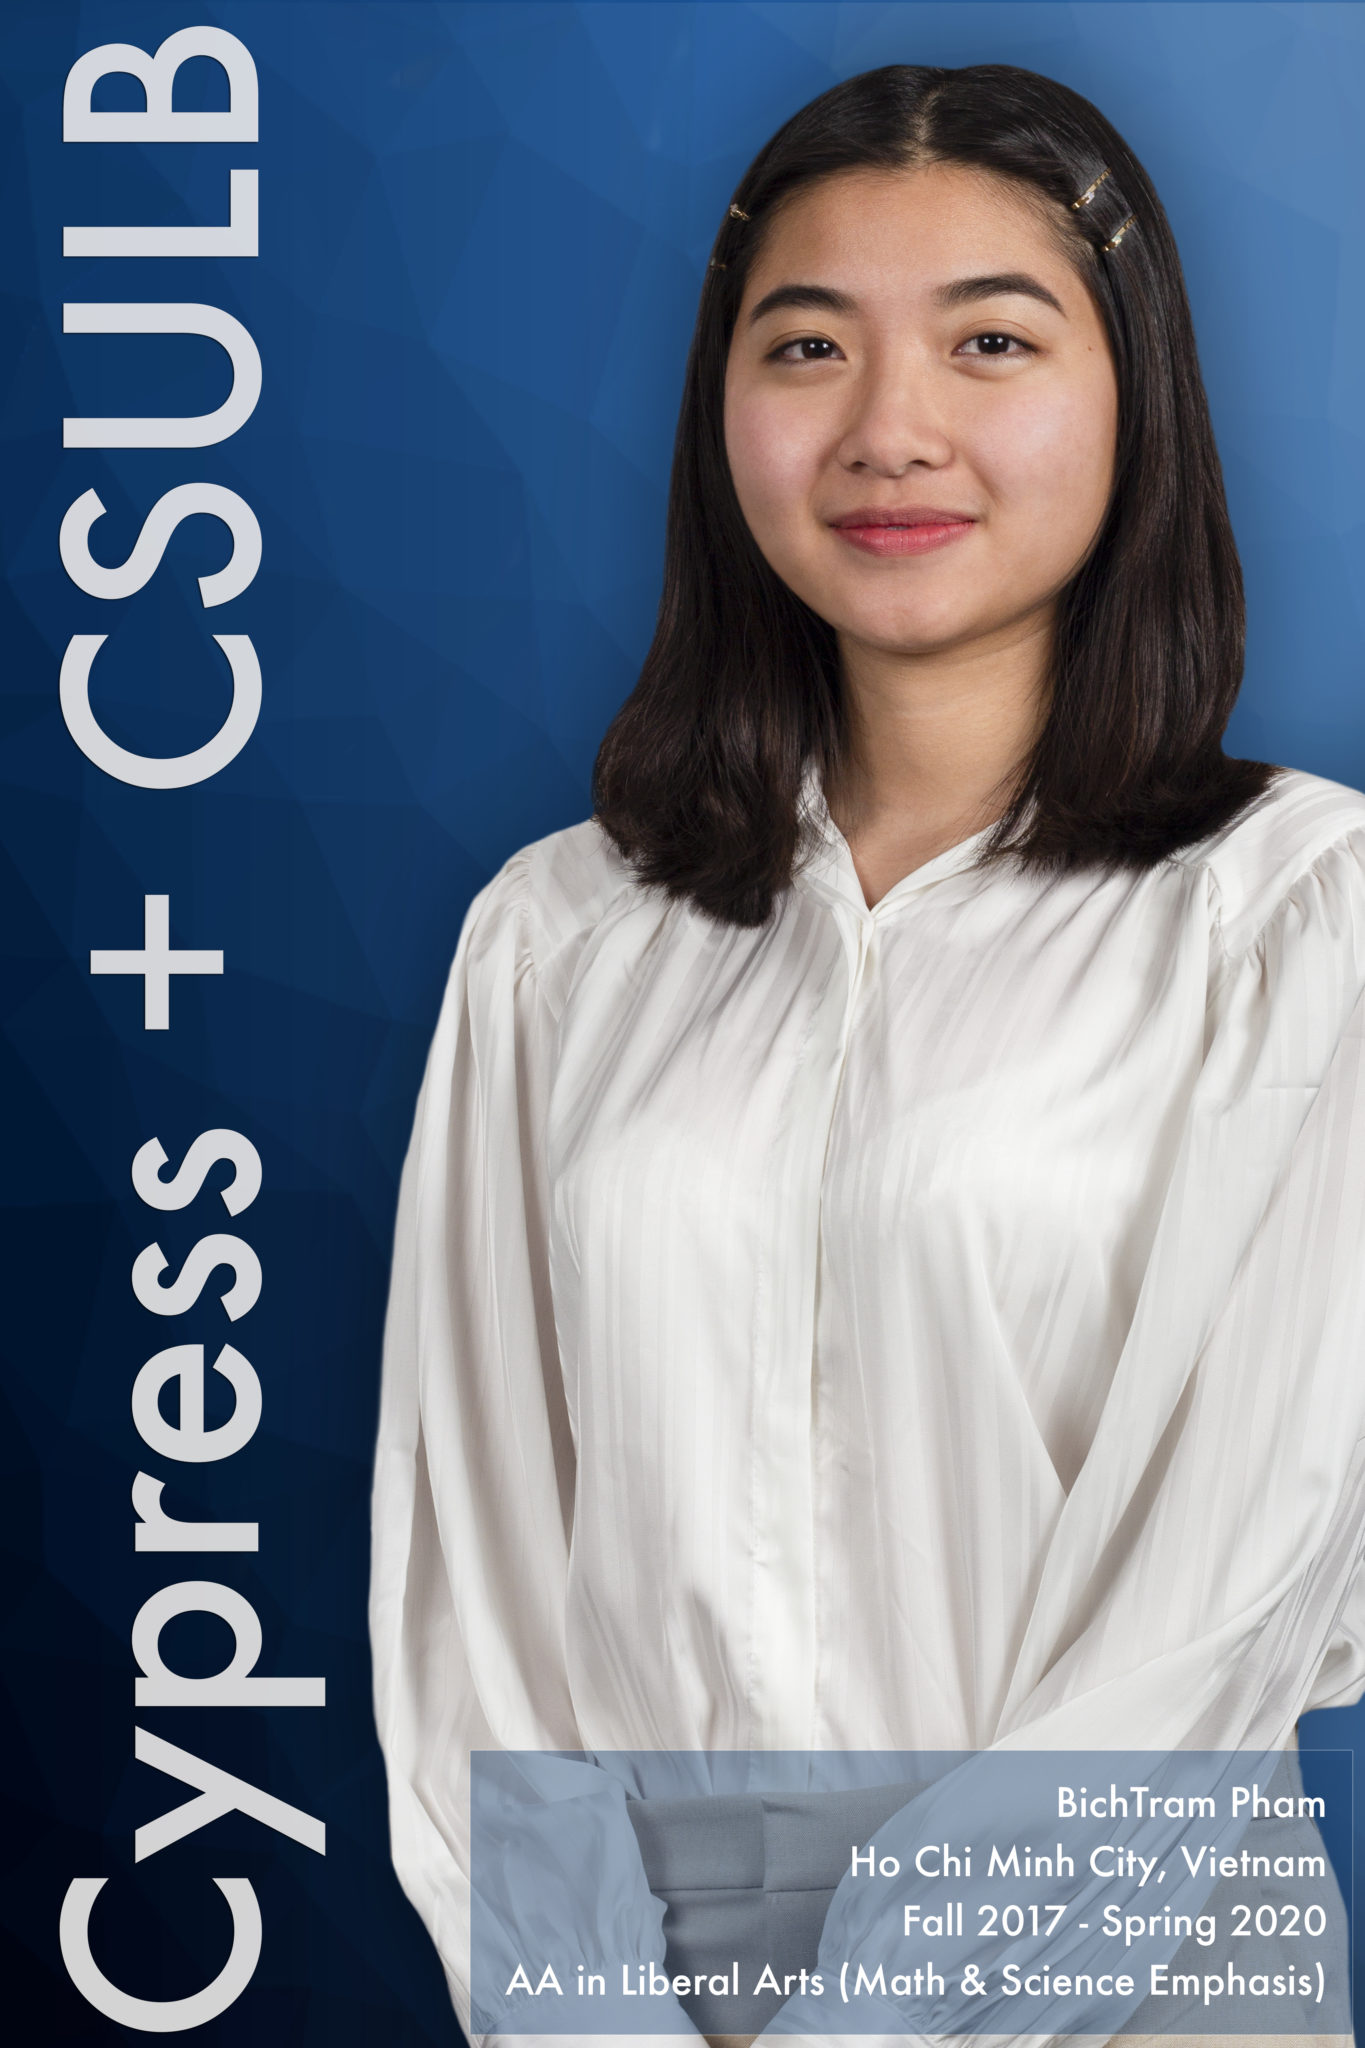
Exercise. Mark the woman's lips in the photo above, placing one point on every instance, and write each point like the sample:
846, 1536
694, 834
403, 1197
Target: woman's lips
912, 533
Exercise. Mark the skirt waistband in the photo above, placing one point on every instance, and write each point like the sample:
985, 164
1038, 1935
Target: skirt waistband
781, 1841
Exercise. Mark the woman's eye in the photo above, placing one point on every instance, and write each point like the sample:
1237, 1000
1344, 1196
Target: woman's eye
996, 344
810, 348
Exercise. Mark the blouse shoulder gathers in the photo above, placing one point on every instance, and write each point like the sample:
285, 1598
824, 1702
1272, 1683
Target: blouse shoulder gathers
934, 1326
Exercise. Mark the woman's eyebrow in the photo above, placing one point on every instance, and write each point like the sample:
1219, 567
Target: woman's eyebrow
962, 291
817, 298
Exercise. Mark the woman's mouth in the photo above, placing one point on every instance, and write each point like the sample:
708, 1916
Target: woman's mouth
912, 531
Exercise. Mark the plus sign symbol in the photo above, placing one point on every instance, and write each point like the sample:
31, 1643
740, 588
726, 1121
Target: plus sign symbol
156, 963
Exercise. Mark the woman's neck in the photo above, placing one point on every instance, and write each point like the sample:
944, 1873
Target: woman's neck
936, 742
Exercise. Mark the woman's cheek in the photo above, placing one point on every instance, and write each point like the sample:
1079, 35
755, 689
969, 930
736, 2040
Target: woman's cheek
1023, 433
773, 457
1052, 455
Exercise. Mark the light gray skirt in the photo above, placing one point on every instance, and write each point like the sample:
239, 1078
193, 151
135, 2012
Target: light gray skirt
747, 1881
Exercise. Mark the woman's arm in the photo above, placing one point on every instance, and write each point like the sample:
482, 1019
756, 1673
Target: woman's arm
472, 1511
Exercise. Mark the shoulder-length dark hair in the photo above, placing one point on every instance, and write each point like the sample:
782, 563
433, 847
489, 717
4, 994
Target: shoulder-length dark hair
699, 776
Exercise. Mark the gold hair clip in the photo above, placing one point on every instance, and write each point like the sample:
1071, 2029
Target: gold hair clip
1120, 232
714, 265
1090, 191
737, 212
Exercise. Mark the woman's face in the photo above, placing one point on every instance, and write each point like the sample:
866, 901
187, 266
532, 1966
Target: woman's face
920, 407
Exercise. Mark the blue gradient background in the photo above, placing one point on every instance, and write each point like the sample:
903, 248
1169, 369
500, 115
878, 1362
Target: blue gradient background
483, 232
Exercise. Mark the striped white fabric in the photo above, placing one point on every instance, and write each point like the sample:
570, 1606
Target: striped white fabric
923, 1327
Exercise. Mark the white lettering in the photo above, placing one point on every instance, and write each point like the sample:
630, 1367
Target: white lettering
221, 1794
160, 771
233, 1686
187, 1181
157, 1530
239, 238
151, 2015
156, 75
133, 574
187, 1441
197, 430
202, 1259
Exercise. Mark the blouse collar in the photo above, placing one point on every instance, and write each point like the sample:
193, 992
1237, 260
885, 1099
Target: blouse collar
829, 871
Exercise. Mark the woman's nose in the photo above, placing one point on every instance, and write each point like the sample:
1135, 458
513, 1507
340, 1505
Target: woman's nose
895, 423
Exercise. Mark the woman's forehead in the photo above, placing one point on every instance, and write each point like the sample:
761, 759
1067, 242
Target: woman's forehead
913, 228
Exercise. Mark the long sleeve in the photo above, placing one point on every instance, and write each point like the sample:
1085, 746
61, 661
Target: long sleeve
1204, 1584
1212, 1544
472, 1513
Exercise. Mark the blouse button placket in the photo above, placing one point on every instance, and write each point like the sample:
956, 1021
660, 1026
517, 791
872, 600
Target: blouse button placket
860, 954
861, 948
786, 1649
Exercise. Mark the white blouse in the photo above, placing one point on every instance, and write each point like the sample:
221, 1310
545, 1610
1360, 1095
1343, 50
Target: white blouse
930, 1326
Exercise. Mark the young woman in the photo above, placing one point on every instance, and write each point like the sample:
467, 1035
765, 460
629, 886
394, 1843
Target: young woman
878, 1266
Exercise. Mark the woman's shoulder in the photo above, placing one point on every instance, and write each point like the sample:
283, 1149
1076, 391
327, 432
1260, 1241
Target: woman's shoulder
551, 893
1298, 829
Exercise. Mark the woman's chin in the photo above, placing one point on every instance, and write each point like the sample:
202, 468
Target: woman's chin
919, 633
